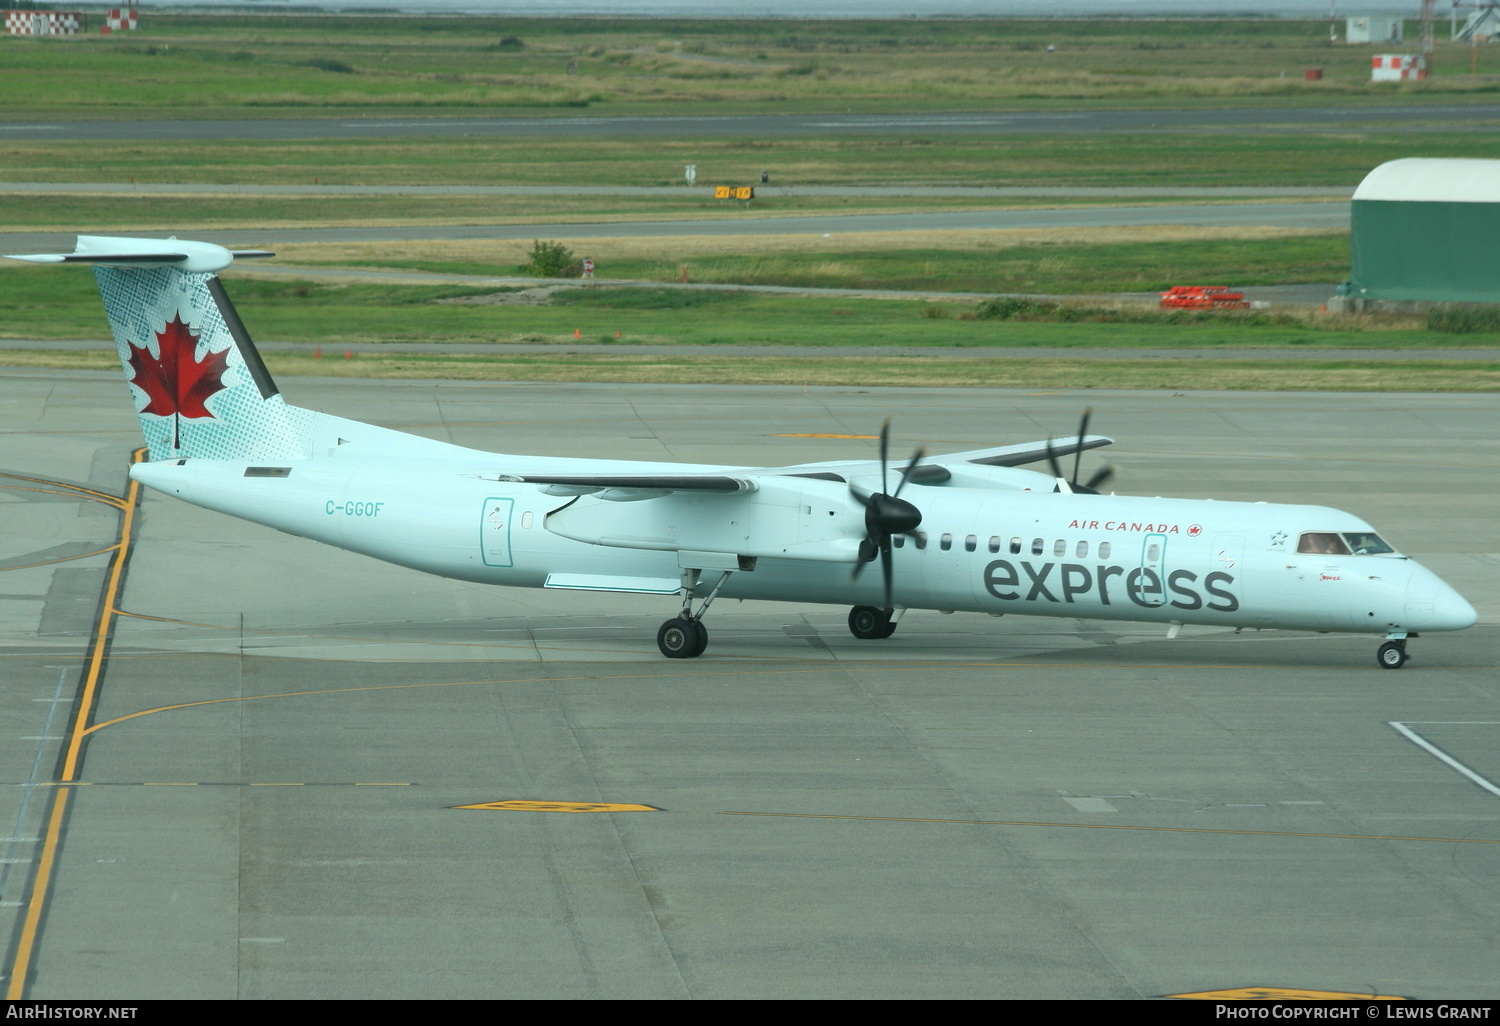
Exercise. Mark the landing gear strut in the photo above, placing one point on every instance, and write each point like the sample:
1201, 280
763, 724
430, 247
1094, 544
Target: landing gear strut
684, 636
1392, 655
870, 624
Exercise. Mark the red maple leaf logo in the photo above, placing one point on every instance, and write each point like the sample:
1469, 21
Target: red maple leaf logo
176, 382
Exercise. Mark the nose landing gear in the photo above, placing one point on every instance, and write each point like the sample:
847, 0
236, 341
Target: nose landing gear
1392, 655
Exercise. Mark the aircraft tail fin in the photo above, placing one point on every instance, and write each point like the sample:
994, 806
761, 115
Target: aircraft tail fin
200, 387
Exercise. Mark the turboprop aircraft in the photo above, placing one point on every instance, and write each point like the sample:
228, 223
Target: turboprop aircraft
967, 531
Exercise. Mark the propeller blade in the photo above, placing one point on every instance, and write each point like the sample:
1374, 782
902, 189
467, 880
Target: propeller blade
885, 447
916, 458
1083, 429
1101, 476
1052, 460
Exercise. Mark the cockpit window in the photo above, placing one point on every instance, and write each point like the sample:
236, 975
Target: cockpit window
1365, 543
1324, 543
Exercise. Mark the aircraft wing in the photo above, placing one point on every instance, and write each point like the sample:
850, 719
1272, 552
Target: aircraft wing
936, 470
1024, 453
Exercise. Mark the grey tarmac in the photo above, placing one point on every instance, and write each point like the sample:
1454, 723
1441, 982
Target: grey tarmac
975, 807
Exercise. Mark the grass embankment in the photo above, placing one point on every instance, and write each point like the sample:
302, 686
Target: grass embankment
254, 65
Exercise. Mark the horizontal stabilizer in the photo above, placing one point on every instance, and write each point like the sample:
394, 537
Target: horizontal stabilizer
199, 257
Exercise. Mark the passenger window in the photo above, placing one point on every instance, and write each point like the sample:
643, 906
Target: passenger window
1153, 552
526, 519
1322, 543
1104, 550
921, 539
1038, 547
994, 543
945, 542
1015, 546
1083, 550
899, 541
1060, 547
971, 543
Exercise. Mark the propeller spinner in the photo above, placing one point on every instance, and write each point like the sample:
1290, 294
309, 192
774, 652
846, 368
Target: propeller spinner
886, 514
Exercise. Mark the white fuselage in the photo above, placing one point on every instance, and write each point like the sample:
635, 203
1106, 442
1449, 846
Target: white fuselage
982, 549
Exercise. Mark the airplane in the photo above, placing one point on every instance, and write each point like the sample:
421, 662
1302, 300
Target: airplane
967, 531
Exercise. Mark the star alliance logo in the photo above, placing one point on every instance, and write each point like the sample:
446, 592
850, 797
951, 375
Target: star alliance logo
1278, 539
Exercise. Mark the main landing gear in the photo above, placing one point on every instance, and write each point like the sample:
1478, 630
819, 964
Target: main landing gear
870, 624
1392, 655
684, 636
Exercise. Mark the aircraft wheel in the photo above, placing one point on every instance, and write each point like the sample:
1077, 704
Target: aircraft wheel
870, 624
1391, 655
680, 638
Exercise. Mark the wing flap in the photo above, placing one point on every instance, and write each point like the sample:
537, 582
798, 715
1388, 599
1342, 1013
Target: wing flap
634, 487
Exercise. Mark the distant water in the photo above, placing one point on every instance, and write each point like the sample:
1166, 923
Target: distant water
831, 8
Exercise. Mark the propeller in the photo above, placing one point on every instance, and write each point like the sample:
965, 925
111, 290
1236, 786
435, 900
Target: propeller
1072, 485
886, 514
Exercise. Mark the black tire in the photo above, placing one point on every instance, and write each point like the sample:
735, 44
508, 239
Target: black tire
1391, 655
702, 638
870, 624
680, 638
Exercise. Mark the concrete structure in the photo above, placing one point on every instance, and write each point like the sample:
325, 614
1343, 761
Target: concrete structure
1397, 67
42, 23
121, 19
1366, 29
1426, 230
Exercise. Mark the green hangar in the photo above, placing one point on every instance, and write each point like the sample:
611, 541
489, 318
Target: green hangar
1426, 231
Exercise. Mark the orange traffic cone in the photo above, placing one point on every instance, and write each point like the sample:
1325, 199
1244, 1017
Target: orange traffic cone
577, 333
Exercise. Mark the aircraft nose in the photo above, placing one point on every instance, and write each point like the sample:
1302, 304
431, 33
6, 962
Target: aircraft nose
1431, 605
1454, 613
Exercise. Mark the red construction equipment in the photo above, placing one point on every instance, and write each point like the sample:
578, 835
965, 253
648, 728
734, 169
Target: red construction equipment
1203, 297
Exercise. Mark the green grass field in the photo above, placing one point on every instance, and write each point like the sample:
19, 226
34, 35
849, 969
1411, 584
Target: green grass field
280, 64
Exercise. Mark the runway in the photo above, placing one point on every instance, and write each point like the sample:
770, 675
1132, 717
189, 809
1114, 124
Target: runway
1415, 117
237, 764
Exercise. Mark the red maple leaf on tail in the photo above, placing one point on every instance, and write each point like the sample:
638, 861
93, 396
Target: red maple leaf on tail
176, 382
